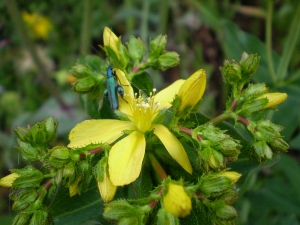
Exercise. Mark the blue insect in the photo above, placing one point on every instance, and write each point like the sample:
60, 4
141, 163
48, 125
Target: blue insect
112, 88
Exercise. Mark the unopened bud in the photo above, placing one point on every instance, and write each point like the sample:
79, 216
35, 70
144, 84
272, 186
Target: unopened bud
81, 71
22, 133
262, 151
231, 72
84, 85
59, 156
226, 212
51, 127
278, 145
8, 180
40, 217
232, 175
274, 99
28, 177
167, 60
136, 49
25, 199
176, 201
22, 218
158, 45
249, 65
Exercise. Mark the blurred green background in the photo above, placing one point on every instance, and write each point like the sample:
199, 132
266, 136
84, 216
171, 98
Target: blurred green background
41, 40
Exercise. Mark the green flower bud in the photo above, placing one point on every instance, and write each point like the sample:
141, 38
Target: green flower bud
39, 134
28, 177
80, 71
51, 128
25, 199
231, 72
158, 45
166, 218
249, 107
229, 197
278, 145
22, 133
29, 152
226, 212
216, 160
22, 218
84, 85
120, 209
229, 148
262, 151
8, 180
167, 60
249, 65
137, 49
59, 156
214, 183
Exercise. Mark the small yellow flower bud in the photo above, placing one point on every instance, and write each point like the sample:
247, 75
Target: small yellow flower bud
192, 89
8, 180
176, 201
73, 189
111, 40
232, 175
274, 99
106, 188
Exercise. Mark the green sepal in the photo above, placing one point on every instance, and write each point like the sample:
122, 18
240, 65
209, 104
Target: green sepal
25, 200
136, 49
22, 133
28, 177
157, 46
51, 129
124, 55
168, 60
212, 183
84, 168
40, 217
29, 152
100, 169
166, 218
255, 105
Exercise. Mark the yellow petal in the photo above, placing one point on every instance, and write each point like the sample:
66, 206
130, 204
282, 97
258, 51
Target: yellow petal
192, 89
126, 101
110, 39
274, 99
8, 180
106, 188
97, 131
166, 96
173, 146
125, 159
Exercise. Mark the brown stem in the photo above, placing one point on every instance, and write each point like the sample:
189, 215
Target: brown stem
243, 120
189, 131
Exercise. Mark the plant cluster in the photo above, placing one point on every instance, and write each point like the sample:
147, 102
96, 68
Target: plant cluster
175, 158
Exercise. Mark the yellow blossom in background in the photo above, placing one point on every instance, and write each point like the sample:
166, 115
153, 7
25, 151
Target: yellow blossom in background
39, 25
274, 99
192, 89
176, 201
8, 180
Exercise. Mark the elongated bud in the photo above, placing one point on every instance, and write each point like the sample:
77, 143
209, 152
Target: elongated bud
106, 188
176, 201
192, 89
28, 177
8, 180
232, 175
274, 99
111, 40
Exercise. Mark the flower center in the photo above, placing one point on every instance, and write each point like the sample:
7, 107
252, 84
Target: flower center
144, 110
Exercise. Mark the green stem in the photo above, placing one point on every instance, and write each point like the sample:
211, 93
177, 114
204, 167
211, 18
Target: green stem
27, 43
144, 22
269, 40
164, 9
157, 167
290, 45
129, 18
86, 27
219, 118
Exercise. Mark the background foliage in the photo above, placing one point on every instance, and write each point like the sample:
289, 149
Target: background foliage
204, 33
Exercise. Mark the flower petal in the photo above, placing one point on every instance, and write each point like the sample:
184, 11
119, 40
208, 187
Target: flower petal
97, 131
166, 96
125, 159
125, 102
173, 146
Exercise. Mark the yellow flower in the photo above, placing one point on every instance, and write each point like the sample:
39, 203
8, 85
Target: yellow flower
126, 156
176, 201
106, 188
274, 99
8, 180
39, 25
111, 40
192, 89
